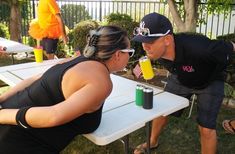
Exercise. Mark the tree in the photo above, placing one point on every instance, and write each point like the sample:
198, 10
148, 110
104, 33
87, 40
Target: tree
15, 19
185, 12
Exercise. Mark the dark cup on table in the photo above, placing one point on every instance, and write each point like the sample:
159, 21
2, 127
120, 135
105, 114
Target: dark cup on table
148, 98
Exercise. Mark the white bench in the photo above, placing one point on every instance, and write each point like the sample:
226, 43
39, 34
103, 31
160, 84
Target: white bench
13, 47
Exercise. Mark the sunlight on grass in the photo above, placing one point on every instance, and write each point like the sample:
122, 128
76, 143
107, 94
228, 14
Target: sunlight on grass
4, 89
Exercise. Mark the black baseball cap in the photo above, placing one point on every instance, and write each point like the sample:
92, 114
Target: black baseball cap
156, 24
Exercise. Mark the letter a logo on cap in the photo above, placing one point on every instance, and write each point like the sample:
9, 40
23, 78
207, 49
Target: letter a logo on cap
142, 24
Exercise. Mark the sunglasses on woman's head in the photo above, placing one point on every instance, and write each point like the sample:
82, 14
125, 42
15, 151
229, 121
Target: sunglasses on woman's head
129, 51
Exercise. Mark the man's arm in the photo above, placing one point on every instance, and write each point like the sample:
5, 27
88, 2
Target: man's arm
62, 28
233, 43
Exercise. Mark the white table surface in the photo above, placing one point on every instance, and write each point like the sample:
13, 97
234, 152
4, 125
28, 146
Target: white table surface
13, 74
120, 114
128, 118
14, 47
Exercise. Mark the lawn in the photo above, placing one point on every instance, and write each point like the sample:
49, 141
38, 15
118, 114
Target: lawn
179, 137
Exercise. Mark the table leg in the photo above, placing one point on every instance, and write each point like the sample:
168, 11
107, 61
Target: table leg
3, 84
125, 141
12, 58
148, 135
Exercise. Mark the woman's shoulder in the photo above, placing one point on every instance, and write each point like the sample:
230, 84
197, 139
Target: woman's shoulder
90, 74
92, 71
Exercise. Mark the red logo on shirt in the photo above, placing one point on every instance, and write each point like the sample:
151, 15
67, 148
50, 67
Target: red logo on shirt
188, 68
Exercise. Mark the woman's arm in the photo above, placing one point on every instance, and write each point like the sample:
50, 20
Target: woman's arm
23, 84
87, 99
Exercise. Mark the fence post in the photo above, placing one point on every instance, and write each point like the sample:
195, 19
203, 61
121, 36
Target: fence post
34, 10
100, 10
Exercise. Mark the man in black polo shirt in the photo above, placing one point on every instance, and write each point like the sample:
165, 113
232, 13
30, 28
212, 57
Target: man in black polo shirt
197, 66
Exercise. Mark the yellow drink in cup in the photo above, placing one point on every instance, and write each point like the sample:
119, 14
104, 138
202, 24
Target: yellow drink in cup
38, 53
146, 68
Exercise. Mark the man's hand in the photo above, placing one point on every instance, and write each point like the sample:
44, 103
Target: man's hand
65, 39
233, 45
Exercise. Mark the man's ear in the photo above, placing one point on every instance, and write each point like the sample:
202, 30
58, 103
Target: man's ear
168, 39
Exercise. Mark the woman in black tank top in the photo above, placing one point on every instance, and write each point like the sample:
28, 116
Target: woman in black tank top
44, 113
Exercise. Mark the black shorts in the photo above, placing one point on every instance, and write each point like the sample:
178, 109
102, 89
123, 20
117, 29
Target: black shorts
49, 45
209, 100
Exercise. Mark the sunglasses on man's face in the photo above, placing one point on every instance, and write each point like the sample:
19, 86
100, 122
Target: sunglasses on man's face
146, 32
129, 51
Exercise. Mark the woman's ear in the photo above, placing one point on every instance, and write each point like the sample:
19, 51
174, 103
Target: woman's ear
117, 55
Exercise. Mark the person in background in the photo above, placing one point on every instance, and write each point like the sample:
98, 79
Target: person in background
48, 27
2, 49
44, 113
197, 66
77, 52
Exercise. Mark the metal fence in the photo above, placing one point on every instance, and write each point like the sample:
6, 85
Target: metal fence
73, 11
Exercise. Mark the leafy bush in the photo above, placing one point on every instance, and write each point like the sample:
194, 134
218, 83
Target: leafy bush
4, 32
32, 42
229, 91
231, 68
61, 49
228, 37
79, 33
118, 17
126, 22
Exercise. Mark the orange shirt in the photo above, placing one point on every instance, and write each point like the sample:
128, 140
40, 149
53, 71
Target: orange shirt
47, 9
46, 25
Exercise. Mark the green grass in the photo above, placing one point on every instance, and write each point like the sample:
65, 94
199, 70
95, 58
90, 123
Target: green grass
179, 137
6, 60
4, 89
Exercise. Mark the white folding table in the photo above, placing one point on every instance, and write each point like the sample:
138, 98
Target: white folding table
13, 47
120, 115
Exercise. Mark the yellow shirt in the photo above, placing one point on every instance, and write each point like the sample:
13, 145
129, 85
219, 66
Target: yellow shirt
46, 25
47, 9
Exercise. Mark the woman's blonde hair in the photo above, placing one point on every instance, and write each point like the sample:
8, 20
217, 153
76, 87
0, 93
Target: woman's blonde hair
103, 42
